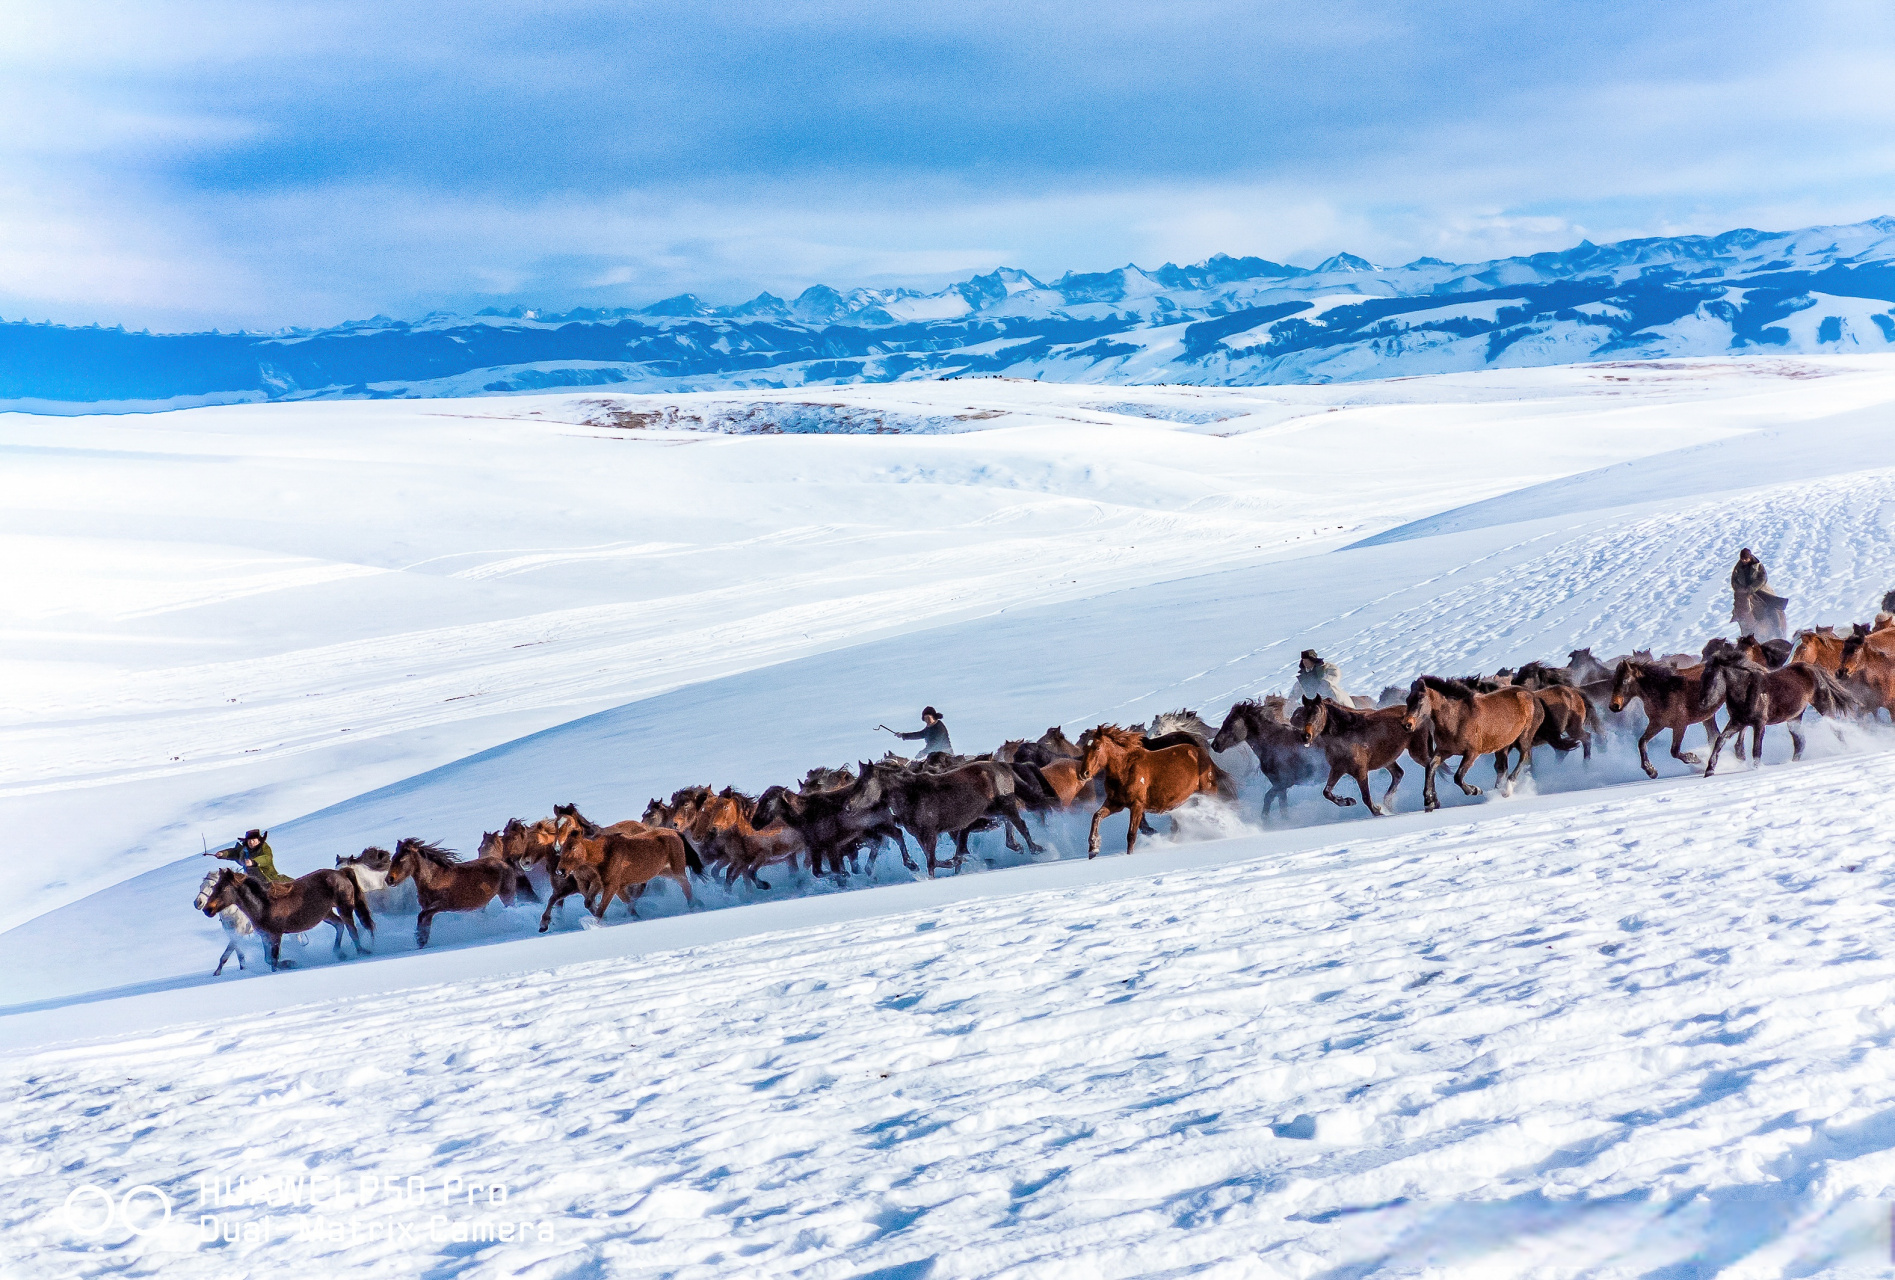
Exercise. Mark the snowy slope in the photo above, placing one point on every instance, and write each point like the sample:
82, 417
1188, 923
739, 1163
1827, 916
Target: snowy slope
1226, 321
1578, 1031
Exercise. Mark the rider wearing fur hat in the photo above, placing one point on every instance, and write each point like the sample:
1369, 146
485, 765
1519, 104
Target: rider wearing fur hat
253, 854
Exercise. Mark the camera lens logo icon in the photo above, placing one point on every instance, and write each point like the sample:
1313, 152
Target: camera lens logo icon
91, 1210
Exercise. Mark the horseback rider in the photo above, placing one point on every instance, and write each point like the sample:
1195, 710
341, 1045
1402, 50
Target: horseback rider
1319, 678
933, 733
253, 854
1759, 610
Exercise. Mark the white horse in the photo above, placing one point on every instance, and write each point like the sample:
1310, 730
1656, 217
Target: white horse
370, 869
239, 933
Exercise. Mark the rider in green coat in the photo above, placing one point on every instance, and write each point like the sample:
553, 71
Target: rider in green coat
253, 854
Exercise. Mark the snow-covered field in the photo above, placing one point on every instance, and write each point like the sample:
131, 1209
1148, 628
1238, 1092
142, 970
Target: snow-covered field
1607, 1026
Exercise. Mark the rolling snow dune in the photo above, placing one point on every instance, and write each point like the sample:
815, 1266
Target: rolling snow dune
1606, 1026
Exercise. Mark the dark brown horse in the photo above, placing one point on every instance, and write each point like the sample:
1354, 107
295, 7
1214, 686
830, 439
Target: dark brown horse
1459, 722
444, 882
1755, 697
1356, 743
1281, 753
832, 831
1144, 780
1671, 699
931, 804
325, 896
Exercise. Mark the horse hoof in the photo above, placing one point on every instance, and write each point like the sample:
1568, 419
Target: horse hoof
1689, 757
1651, 772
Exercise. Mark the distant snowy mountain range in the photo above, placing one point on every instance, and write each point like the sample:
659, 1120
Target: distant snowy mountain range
1227, 321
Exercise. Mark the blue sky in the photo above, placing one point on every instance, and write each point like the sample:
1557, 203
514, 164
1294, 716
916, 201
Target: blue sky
196, 164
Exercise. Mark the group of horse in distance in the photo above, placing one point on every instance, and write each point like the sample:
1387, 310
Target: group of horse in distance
836, 816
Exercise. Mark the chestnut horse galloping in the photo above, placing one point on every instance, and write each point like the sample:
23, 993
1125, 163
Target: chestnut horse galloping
1460, 722
445, 883
326, 897
1357, 743
620, 860
1145, 781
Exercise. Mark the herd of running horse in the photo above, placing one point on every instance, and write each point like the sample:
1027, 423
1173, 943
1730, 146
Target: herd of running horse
836, 815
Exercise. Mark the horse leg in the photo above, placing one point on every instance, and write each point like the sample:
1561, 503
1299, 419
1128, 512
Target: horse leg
273, 948
1282, 797
1104, 811
335, 922
961, 838
1336, 773
1756, 744
1796, 740
229, 948
1015, 820
561, 887
1717, 745
1394, 784
1525, 761
424, 925
1460, 775
1361, 776
1134, 825
1429, 800
1652, 728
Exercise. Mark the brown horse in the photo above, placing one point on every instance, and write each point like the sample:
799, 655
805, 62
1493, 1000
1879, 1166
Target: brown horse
325, 896
1356, 743
722, 829
1281, 753
1144, 780
1868, 664
1460, 722
443, 882
1756, 697
1820, 647
620, 860
1670, 697
519, 845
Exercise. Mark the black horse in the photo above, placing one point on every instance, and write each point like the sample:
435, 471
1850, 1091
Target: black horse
1280, 752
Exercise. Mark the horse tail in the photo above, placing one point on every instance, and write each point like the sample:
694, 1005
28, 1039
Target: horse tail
1831, 697
692, 858
1595, 725
361, 905
1223, 783
1033, 787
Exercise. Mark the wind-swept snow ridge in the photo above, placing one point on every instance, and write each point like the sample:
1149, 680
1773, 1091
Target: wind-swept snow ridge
1226, 321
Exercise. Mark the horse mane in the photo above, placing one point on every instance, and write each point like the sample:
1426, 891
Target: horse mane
1660, 677
1558, 676
433, 851
1183, 720
1120, 736
514, 827
1446, 688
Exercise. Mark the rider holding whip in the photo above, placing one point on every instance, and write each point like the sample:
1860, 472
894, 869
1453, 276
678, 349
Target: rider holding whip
933, 733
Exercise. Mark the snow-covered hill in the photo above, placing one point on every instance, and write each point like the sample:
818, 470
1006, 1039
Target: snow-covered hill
1607, 1026
1223, 322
